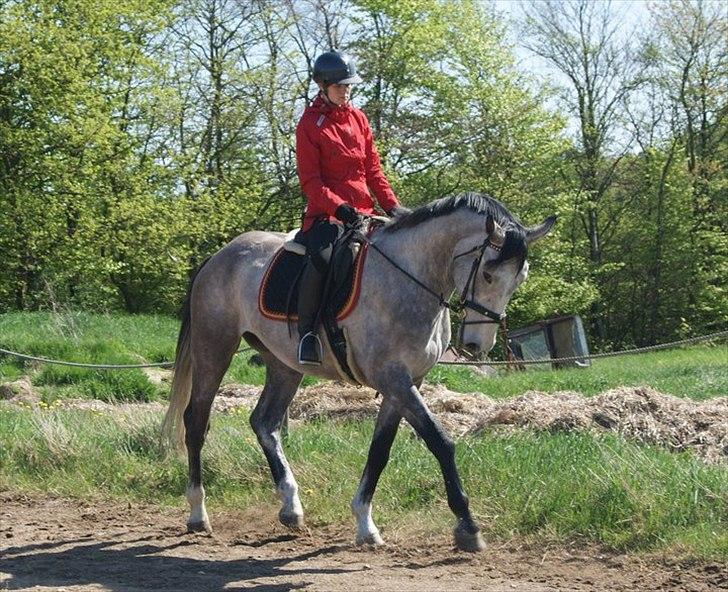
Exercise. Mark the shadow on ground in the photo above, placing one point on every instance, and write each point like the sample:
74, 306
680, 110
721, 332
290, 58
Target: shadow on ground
143, 565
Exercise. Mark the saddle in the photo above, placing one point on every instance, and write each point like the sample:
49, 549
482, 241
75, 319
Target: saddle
278, 295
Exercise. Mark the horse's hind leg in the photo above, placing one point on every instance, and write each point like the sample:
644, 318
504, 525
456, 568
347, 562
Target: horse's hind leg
212, 355
384, 433
281, 383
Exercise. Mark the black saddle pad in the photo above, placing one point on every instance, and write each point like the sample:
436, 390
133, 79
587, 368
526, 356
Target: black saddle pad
278, 296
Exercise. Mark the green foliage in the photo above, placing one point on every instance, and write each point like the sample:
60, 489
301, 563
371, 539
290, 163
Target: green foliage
557, 284
70, 72
453, 114
660, 284
138, 138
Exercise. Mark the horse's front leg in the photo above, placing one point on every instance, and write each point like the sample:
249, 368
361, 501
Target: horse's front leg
406, 399
281, 384
384, 433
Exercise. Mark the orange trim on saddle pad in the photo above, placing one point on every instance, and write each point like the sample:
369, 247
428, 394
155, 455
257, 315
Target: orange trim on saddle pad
345, 310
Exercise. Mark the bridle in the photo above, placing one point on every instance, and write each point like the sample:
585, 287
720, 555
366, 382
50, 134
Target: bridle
463, 303
469, 303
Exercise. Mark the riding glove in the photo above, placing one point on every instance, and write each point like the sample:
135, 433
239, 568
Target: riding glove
347, 214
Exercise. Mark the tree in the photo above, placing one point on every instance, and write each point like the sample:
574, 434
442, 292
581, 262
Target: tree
581, 40
453, 114
691, 47
66, 70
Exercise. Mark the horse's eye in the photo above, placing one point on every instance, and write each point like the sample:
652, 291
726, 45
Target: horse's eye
488, 277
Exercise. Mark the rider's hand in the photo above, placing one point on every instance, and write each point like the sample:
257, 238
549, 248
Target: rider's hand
348, 215
398, 211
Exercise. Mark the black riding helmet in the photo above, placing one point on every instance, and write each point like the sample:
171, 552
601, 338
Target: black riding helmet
334, 67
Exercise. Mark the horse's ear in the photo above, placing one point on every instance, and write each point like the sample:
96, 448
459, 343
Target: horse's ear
537, 232
495, 231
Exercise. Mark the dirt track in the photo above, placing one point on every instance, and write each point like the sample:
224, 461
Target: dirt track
57, 544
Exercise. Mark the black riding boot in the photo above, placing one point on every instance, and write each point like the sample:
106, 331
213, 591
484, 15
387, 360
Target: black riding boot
310, 350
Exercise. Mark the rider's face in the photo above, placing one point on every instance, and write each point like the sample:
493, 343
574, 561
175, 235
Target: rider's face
338, 93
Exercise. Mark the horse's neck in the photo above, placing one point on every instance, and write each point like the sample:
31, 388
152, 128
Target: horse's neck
427, 250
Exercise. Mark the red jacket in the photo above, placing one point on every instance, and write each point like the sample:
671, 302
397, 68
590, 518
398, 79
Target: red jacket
338, 163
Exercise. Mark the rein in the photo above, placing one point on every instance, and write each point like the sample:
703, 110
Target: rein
463, 303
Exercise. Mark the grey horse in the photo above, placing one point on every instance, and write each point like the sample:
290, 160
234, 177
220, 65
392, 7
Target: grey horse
396, 334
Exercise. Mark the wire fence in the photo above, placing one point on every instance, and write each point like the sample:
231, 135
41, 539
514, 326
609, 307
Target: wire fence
624, 352
637, 350
95, 366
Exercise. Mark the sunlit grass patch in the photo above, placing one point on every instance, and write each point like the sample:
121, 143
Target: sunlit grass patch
542, 485
697, 372
87, 339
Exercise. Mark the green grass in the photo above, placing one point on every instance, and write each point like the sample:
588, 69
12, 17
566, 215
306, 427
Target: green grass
81, 336
544, 486
87, 338
99, 339
698, 372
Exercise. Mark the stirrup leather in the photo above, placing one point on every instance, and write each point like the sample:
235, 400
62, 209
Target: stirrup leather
310, 350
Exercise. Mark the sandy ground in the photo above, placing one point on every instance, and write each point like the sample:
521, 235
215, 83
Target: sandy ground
57, 544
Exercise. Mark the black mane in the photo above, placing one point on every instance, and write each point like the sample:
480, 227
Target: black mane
514, 246
477, 202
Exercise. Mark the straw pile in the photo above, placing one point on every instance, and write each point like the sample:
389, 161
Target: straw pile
639, 414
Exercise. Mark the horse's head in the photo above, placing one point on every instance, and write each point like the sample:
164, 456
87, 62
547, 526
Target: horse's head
487, 275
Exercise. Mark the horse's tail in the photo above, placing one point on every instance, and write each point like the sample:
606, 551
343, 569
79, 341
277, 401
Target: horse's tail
173, 426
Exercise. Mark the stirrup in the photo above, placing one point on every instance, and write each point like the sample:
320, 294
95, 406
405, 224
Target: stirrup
310, 350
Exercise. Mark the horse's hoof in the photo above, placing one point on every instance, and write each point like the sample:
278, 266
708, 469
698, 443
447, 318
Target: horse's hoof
292, 521
471, 542
199, 526
373, 538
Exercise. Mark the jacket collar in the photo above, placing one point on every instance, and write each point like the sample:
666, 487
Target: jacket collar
319, 105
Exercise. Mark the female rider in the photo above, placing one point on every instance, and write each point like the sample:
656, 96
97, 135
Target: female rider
338, 165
